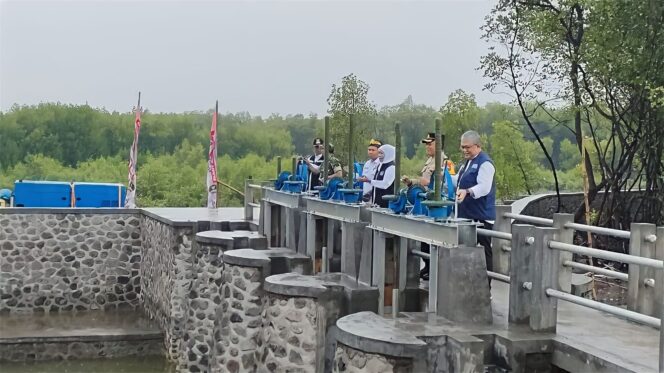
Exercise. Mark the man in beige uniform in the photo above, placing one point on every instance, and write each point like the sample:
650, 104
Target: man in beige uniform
423, 180
427, 170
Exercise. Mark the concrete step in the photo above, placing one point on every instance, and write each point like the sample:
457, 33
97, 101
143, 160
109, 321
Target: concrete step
78, 335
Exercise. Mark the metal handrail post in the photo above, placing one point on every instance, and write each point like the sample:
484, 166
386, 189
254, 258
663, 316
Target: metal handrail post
641, 298
565, 235
501, 258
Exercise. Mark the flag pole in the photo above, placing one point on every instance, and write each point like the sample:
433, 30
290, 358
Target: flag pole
212, 181
130, 200
216, 112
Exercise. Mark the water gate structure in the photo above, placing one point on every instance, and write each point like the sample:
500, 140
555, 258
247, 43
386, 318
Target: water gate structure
291, 282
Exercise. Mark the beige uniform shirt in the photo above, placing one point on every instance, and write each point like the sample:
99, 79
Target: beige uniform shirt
426, 172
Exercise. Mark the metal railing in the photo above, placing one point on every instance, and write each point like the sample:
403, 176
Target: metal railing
250, 200
540, 274
642, 240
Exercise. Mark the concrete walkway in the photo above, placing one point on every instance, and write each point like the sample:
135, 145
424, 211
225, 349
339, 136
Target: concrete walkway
583, 335
621, 342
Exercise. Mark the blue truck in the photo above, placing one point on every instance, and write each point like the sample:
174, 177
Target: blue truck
29, 193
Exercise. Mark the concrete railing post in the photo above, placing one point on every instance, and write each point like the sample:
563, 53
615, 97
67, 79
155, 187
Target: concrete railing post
521, 272
248, 200
659, 275
544, 309
641, 296
564, 235
501, 257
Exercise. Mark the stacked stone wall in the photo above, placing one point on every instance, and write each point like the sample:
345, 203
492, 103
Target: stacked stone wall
237, 330
166, 275
52, 262
350, 360
203, 299
66, 350
290, 334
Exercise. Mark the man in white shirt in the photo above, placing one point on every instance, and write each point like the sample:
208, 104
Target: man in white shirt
476, 189
370, 167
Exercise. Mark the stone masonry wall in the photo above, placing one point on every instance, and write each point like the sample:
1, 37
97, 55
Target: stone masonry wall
166, 275
238, 325
290, 332
204, 298
26, 352
63, 262
350, 360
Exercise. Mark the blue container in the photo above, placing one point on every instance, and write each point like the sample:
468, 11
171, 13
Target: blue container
99, 194
42, 194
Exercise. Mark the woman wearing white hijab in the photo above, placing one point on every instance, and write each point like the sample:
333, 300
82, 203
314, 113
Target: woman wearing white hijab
383, 182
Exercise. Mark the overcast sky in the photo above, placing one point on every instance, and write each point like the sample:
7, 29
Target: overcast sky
258, 56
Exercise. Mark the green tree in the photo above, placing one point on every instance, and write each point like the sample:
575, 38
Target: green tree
350, 98
602, 60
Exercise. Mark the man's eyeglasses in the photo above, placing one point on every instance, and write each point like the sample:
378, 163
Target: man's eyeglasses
466, 147
318, 146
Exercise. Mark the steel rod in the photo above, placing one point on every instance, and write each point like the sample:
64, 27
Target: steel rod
593, 269
496, 234
608, 255
617, 311
498, 276
395, 303
598, 230
421, 254
529, 219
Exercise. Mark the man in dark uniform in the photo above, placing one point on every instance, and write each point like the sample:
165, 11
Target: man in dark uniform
315, 162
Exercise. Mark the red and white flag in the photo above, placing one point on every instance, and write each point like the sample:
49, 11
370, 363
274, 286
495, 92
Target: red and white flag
212, 163
130, 200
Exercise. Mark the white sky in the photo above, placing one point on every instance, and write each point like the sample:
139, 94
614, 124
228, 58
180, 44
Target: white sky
257, 56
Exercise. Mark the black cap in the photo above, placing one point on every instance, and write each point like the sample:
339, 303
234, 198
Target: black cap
318, 141
431, 137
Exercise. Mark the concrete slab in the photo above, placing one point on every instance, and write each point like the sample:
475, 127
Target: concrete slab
190, 215
260, 258
369, 332
122, 324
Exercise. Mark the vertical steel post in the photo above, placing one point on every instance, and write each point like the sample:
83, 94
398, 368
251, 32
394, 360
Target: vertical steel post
436, 173
351, 169
326, 138
397, 158
278, 166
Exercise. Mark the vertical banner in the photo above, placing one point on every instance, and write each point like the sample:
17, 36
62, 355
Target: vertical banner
212, 162
130, 200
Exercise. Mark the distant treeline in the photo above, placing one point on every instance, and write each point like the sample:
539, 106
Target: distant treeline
62, 142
